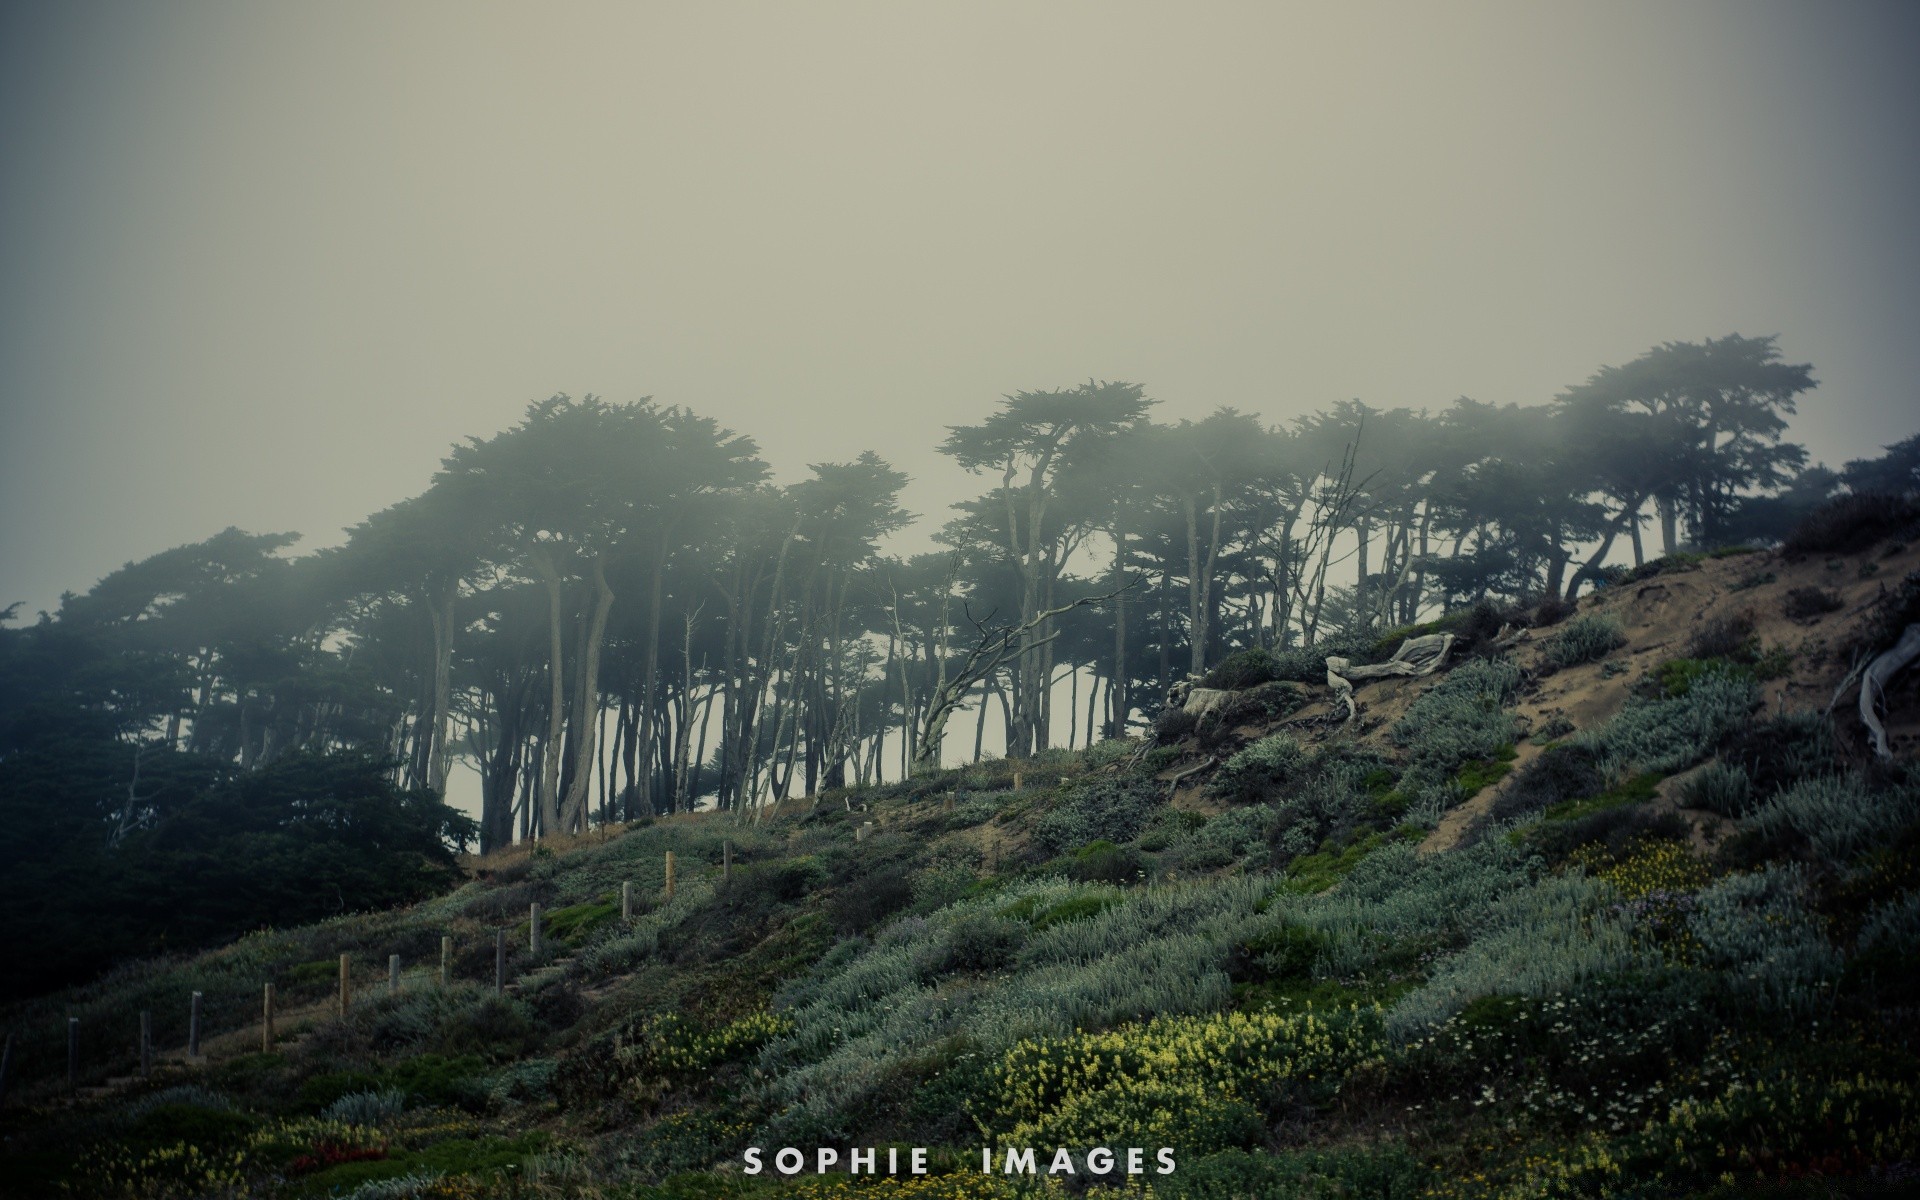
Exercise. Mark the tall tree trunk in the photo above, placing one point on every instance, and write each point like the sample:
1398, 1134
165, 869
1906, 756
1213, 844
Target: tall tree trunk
586, 707
440, 613
1118, 719
549, 797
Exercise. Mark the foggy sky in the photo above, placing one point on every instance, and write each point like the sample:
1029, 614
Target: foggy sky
260, 264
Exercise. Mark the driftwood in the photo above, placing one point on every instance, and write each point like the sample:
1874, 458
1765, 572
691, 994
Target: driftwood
1416, 656
1197, 700
1874, 680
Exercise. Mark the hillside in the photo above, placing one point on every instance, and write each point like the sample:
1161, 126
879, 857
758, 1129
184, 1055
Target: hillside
1607, 906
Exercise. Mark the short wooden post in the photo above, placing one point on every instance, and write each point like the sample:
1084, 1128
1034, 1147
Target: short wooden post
393, 974
146, 1042
73, 1052
1016, 781
499, 961
266, 1019
669, 888
626, 900
193, 1028
446, 960
860, 833
533, 929
344, 977
947, 804
726, 860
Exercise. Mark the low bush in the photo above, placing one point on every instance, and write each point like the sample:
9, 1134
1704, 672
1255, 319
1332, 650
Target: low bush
1243, 669
1835, 817
1803, 603
1462, 719
1172, 724
1264, 768
1719, 788
1759, 930
1729, 637
1853, 522
1584, 640
1107, 807
1103, 862
1263, 704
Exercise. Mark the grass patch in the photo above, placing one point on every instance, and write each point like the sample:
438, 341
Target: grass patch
1477, 776
1037, 912
1637, 790
573, 923
1311, 874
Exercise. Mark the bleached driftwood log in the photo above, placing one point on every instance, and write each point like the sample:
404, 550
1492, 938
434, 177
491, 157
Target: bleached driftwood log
1416, 656
1874, 680
1197, 700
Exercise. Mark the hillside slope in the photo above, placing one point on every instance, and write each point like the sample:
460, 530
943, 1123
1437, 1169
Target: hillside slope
1607, 907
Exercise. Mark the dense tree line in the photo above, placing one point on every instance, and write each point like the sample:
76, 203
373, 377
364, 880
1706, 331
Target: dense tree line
609, 611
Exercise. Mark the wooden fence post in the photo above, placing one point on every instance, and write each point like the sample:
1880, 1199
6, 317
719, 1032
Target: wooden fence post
146, 1042
533, 929
393, 974
343, 985
499, 961
266, 1019
626, 900
446, 960
193, 1028
669, 889
73, 1053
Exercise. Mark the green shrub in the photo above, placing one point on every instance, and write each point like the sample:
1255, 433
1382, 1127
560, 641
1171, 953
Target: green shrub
1043, 910
1836, 816
1730, 637
1853, 522
1584, 640
1462, 719
1261, 769
1262, 705
1760, 932
371, 1109
1113, 809
1803, 603
1242, 669
1668, 734
1103, 862
1719, 788
1536, 941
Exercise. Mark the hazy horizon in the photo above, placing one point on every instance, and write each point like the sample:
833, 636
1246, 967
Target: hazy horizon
265, 264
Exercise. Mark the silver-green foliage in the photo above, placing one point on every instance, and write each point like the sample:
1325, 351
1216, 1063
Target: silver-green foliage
1396, 897
1672, 733
1586, 639
411, 1186
1894, 927
1759, 931
622, 947
1839, 815
1720, 788
1462, 719
1115, 808
1262, 768
371, 1109
861, 1012
1536, 940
